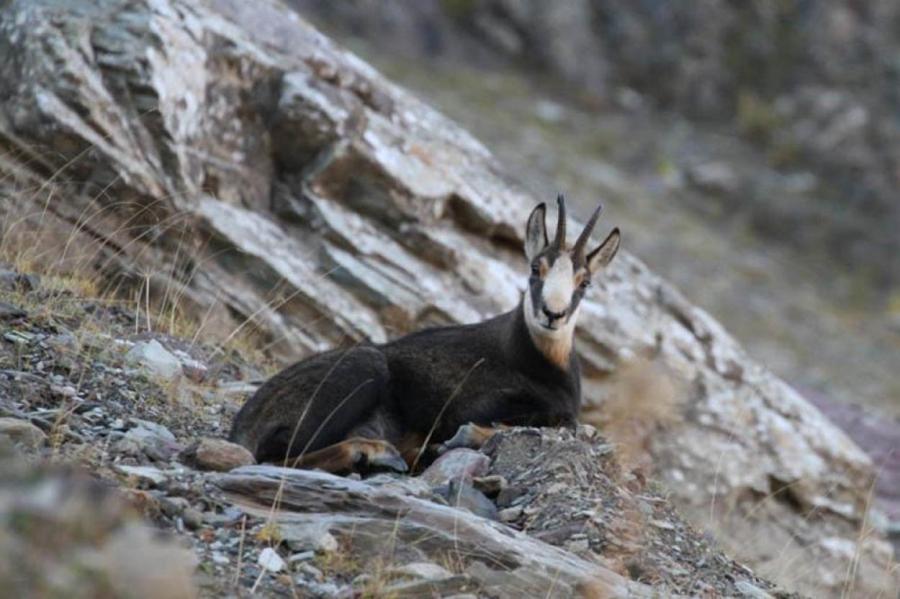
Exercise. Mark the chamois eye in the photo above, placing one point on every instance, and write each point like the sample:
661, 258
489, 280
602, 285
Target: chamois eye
585, 283
535, 269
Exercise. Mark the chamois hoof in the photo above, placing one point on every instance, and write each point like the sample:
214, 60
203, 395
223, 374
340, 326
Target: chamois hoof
469, 436
385, 459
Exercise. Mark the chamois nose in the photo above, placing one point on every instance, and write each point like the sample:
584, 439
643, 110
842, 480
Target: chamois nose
551, 315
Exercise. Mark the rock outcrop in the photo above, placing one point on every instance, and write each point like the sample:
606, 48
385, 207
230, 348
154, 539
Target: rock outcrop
812, 84
232, 162
589, 529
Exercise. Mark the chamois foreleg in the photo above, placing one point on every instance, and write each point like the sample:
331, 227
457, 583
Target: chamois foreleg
470, 435
353, 455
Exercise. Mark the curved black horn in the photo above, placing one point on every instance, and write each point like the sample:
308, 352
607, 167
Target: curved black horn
560, 241
578, 249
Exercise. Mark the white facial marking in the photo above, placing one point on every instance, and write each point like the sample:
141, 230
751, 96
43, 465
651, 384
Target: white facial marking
557, 292
559, 285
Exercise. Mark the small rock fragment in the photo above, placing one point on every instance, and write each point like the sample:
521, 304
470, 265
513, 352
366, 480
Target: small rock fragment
421, 570
145, 474
194, 370
11, 312
192, 518
457, 464
22, 432
310, 538
302, 556
11, 280
751, 591
578, 545
310, 571
174, 506
216, 454
270, 560
145, 503
460, 493
430, 588
139, 564
155, 359
64, 391
510, 514
18, 337
147, 438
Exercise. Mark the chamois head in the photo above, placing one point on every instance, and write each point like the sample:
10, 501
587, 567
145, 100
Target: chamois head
560, 275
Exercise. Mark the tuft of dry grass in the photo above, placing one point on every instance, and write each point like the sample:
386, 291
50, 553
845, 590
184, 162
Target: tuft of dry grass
643, 398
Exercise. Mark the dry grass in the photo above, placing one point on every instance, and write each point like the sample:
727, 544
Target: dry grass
75, 266
643, 397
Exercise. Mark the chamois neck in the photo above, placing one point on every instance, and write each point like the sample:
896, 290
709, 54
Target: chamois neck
556, 349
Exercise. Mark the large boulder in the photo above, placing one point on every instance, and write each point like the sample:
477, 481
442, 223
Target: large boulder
229, 155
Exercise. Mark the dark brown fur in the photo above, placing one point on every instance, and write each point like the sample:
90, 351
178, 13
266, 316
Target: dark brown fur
419, 389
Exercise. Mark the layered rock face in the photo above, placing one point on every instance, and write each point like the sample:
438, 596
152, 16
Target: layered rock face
235, 162
811, 84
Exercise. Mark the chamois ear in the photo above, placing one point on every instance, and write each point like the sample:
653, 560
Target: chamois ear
536, 232
605, 252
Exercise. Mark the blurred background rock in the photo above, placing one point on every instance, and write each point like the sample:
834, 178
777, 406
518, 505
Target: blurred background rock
750, 149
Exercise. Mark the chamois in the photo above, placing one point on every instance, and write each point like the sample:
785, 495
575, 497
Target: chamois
381, 406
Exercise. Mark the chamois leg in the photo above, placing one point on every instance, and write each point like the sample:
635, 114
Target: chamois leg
354, 454
470, 435
313, 404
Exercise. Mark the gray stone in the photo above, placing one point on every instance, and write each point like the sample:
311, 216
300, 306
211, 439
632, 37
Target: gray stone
11, 312
310, 570
422, 570
302, 556
19, 338
311, 538
11, 280
147, 439
510, 514
751, 591
155, 359
369, 517
148, 475
216, 454
270, 560
459, 493
22, 432
456, 464
192, 518
174, 506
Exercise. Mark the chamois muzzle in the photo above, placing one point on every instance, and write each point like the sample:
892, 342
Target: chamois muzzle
552, 316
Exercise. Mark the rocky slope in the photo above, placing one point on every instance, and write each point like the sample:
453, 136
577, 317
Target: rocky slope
235, 164
104, 430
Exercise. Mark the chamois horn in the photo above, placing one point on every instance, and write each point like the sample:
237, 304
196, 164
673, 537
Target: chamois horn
560, 241
578, 249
